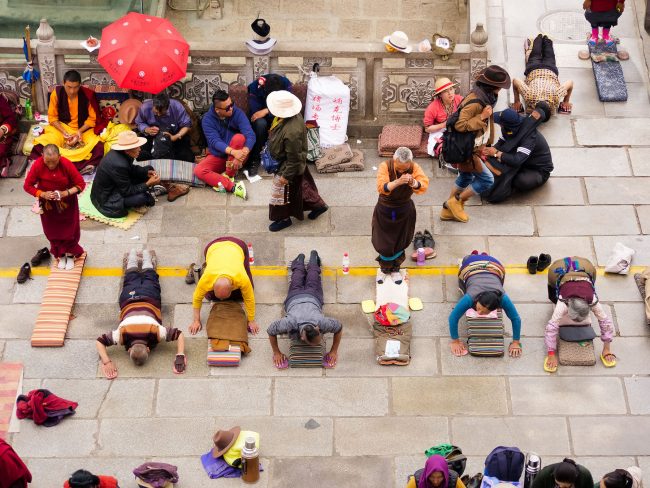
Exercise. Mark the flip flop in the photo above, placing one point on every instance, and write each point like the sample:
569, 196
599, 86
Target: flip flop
606, 363
547, 368
327, 362
368, 306
284, 364
415, 304
564, 111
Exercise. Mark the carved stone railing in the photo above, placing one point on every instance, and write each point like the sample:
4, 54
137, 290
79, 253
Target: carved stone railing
385, 87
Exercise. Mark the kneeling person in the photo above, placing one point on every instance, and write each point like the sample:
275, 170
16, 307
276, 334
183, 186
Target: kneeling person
140, 328
304, 318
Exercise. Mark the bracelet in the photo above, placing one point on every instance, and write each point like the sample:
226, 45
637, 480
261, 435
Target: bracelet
109, 361
551, 353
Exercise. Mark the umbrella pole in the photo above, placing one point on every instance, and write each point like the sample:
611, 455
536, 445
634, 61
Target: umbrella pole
30, 60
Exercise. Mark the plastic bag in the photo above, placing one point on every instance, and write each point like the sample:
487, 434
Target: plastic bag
328, 103
620, 260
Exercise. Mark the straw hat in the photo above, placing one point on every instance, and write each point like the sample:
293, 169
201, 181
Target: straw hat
443, 84
128, 140
398, 40
223, 440
283, 104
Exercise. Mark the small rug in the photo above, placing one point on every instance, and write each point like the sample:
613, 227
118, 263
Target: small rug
10, 375
56, 306
174, 170
87, 208
232, 357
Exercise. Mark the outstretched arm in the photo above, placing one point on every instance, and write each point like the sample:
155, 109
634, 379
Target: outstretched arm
109, 369
278, 357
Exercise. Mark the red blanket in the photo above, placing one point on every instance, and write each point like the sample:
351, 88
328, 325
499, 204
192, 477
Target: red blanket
43, 407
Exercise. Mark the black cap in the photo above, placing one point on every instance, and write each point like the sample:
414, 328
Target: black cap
260, 27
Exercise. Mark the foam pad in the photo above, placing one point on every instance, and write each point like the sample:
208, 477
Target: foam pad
610, 81
303, 355
87, 208
232, 357
56, 306
576, 353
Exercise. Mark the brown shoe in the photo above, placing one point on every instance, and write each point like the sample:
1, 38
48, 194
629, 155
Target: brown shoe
189, 276
457, 209
24, 273
176, 190
445, 213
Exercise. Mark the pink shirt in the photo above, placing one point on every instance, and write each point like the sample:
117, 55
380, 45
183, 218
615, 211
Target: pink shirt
435, 112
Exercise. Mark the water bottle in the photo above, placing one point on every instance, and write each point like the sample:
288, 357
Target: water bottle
250, 461
346, 263
251, 254
28, 109
421, 256
533, 466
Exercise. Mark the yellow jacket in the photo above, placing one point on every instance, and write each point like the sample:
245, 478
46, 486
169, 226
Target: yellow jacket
225, 259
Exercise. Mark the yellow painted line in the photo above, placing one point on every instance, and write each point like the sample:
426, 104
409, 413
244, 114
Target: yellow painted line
178, 272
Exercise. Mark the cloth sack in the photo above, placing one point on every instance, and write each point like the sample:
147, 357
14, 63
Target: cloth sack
328, 103
392, 314
353, 163
332, 157
314, 150
156, 475
620, 260
226, 325
492, 482
393, 344
162, 146
393, 136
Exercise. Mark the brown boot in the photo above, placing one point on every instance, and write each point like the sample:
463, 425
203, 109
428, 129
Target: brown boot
176, 190
445, 213
456, 208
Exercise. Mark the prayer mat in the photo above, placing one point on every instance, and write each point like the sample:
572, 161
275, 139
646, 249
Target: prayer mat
56, 305
576, 353
232, 357
174, 170
485, 335
610, 81
10, 376
87, 208
303, 355
389, 292
394, 136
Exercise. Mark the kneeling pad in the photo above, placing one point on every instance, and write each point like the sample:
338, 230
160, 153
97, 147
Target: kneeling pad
576, 353
303, 355
393, 344
231, 357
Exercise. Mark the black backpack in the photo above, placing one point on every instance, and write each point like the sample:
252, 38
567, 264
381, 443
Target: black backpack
457, 147
505, 463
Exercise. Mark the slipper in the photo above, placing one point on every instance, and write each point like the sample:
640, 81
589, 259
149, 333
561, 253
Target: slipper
415, 304
327, 362
547, 368
521, 110
368, 306
564, 111
606, 363
284, 364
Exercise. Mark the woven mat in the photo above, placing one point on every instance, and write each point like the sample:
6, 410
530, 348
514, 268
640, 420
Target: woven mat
174, 170
10, 375
609, 77
56, 306
87, 208
576, 353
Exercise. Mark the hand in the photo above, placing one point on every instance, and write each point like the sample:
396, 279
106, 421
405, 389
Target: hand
238, 154
278, 359
171, 137
620, 7
48, 195
516, 106
152, 172
566, 106
109, 370
551, 361
152, 131
486, 113
153, 180
331, 358
514, 350
586, 5
259, 114
458, 348
195, 327
253, 328
405, 179
180, 363
490, 151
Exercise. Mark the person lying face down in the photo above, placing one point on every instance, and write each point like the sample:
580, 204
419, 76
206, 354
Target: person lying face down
304, 318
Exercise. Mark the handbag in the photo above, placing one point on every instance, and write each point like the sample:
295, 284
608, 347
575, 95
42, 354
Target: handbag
314, 150
268, 162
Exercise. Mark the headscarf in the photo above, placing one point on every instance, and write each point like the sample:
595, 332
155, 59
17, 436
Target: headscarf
433, 464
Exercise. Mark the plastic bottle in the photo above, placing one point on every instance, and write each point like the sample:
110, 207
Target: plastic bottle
250, 458
346, 263
421, 256
28, 109
251, 254
533, 467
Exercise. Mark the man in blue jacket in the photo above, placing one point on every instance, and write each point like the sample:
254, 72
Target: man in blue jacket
230, 138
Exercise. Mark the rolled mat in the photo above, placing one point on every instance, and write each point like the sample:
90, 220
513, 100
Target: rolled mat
58, 299
232, 357
303, 355
87, 208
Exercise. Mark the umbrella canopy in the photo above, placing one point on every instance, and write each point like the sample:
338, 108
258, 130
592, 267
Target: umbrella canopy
144, 53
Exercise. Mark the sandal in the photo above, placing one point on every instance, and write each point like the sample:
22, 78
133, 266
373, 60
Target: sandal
547, 368
564, 111
608, 363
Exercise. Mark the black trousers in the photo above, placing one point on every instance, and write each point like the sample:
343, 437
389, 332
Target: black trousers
180, 149
261, 128
542, 56
524, 180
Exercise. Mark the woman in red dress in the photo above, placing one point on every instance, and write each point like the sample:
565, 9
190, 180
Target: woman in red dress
55, 181
8, 132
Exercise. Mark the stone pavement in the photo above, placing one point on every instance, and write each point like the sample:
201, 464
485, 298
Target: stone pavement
372, 422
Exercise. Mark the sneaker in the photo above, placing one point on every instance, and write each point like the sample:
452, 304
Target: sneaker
40, 256
62, 262
69, 263
158, 190
396, 276
314, 257
381, 277
455, 206
299, 261
280, 224
24, 273
592, 41
219, 188
240, 190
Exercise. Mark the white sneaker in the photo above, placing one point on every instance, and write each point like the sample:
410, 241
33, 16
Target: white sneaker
63, 261
396, 276
69, 264
381, 277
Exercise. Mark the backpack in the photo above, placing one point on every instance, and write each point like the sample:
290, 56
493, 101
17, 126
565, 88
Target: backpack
457, 147
505, 463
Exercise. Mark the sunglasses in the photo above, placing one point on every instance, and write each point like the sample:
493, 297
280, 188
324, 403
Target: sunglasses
226, 108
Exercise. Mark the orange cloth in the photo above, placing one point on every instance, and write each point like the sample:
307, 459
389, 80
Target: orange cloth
418, 174
53, 112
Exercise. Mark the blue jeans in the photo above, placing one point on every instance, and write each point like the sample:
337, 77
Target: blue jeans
479, 182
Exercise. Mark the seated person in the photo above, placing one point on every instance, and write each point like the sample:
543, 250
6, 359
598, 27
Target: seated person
481, 279
622, 478
119, 184
227, 275
304, 318
74, 123
435, 474
260, 117
542, 79
85, 479
521, 159
566, 474
230, 137
14, 471
8, 133
140, 328
445, 102
574, 294
166, 126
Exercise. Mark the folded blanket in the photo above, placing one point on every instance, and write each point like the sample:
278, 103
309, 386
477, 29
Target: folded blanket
355, 163
333, 156
227, 327
174, 170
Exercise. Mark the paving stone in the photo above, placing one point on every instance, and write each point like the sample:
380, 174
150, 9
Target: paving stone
256, 220
206, 397
257, 194
177, 251
12, 193
512, 9
19, 250
585, 100
175, 290
48, 472
136, 234
490, 220
2, 348
579, 396
355, 322
426, 287
517, 250
17, 321
128, 398
43, 442
102, 256
357, 221
8, 290
183, 221
604, 246
640, 158
631, 360
600, 466
77, 359
357, 358
631, 319
488, 396
590, 161
636, 104
334, 471
31, 291
99, 289
450, 248
618, 190
93, 319
588, 220
192, 475
618, 288
266, 248
184, 315
206, 197
643, 212
558, 132
432, 320
543, 435
556, 191
89, 394
155, 437
23, 222
330, 397
438, 193
626, 132
638, 389
331, 249
588, 441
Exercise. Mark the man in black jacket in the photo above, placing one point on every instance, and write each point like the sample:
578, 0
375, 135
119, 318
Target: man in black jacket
521, 159
119, 184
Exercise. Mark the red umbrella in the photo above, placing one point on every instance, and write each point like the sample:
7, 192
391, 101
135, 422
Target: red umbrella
143, 52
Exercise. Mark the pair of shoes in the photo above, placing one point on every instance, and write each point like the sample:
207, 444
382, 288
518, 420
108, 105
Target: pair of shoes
396, 276
425, 241
457, 209
592, 41
314, 214
445, 213
24, 273
190, 279
280, 224
253, 168
314, 257
538, 263
418, 240
40, 256
175, 190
